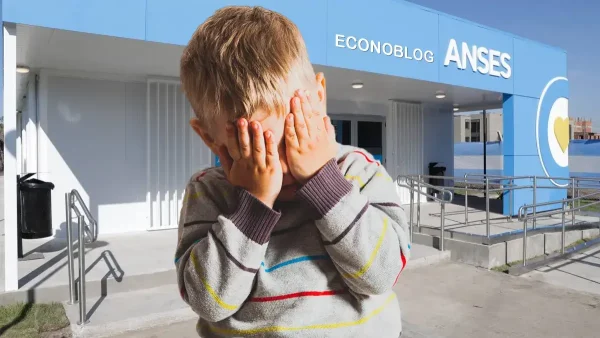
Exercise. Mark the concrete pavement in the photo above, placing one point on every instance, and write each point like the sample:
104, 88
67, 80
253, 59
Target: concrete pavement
580, 272
456, 300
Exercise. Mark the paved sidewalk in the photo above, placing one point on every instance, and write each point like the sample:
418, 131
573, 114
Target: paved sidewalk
455, 300
580, 272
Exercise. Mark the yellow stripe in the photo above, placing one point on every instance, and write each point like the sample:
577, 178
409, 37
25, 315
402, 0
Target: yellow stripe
210, 290
308, 327
386, 177
357, 179
361, 183
373, 254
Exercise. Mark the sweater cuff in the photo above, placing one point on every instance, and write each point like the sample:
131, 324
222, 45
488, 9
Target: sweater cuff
326, 188
253, 218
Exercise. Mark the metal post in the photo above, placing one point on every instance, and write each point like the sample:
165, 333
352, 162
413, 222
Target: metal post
487, 207
510, 198
419, 204
442, 222
466, 201
573, 203
534, 200
70, 267
412, 206
82, 309
525, 240
485, 143
562, 246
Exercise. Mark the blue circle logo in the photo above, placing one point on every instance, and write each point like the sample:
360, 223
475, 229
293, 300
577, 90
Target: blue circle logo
552, 129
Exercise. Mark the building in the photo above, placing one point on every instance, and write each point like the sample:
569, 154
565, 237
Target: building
101, 110
581, 129
468, 128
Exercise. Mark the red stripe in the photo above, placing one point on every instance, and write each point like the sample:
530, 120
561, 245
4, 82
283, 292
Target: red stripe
200, 176
366, 157
298, 295
403, 265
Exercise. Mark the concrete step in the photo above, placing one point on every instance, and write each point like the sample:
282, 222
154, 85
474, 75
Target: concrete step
94, 288
510, 251
423, 255
122, 310
126, 312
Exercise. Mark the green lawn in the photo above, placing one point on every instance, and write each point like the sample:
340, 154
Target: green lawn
31, 320
591, 208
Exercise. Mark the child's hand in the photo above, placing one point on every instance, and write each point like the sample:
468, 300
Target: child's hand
309, 139
251, 161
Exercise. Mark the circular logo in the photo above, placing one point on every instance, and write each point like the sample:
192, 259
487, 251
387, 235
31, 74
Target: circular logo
552, 129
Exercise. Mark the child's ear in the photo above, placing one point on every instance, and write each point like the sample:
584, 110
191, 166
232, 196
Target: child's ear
204, 135
321, 87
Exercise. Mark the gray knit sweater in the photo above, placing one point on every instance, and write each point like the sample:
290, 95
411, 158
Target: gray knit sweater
322, 266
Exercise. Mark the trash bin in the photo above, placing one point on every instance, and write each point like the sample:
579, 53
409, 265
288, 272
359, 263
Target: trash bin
434, 170
35, 208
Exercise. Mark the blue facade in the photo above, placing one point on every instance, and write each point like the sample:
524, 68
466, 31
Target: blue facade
387, 37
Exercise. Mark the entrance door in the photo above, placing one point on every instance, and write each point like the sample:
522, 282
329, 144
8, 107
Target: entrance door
366, 132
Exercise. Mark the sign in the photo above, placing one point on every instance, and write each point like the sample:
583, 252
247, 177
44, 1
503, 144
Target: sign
385, 48
552, 130
479, 59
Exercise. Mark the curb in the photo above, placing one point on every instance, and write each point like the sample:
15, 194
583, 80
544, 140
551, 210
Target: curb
428, 260
133, 324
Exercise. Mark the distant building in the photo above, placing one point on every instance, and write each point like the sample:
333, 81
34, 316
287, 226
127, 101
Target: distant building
469, 128
581, 129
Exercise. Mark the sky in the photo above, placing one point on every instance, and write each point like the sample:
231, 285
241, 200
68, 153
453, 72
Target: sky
573, 25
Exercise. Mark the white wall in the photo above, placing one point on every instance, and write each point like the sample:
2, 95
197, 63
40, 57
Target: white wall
439, 138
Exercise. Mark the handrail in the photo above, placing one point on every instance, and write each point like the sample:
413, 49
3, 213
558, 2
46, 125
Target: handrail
446, 193
435, 198
88, 214
524, 216
70, 199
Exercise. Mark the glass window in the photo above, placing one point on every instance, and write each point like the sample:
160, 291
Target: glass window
370, 138
343, 131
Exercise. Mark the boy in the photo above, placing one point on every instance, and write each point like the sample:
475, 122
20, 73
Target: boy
295, 236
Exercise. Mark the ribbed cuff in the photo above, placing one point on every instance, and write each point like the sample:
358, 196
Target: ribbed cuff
253, 218
326, 188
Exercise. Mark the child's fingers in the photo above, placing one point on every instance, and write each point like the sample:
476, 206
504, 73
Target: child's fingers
291, 139
233, 147
272, 156
258, 145
299, 121
244, 138
311, 119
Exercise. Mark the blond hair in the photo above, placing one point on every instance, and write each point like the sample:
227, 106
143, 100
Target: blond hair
239, 61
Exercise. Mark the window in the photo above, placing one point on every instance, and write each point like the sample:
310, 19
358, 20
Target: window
467, 125
475, 126
475, 139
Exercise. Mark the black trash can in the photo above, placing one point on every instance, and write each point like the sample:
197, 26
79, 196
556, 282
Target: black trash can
435, 170
35, 208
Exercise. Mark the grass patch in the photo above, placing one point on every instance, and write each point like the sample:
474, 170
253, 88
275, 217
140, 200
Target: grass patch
31, 320
591, 208
504, 268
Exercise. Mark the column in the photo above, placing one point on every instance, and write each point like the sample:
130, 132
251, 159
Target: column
536, 137
9, 96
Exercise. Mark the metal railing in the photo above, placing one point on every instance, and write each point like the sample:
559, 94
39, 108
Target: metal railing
85, 234
489, 184
524, 216
446, 197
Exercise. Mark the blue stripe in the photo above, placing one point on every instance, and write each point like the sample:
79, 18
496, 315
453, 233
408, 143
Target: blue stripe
196, 242
294, 261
